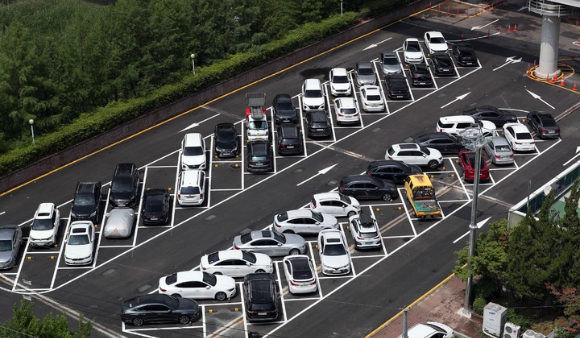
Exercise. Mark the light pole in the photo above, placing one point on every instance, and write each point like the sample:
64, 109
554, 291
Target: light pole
31, 121
192, 57
473, 139
341, 8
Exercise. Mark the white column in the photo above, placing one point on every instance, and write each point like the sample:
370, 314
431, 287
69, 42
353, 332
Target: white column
548, 66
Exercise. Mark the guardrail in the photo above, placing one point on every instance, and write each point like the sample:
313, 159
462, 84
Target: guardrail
548, 8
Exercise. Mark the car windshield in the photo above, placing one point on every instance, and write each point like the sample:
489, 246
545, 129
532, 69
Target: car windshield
390, 61
285, 105
437, 40
84, 199
227, 135
5, 245
282, 217
78, 240
523, 136
154, 204
42, 224
365, 71
373, 97
413, 47
340, 79
258, 124
261, 306
248, 256
317, 216
245, 238
334, 250
192, 151
121, 185
189, 190
313, 93
209, 279
502, 148
344, 198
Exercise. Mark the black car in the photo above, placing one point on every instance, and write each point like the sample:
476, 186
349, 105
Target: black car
442, 64
226, 140
397, 88
543, 124
284, 110
420, 75
125, 185
156, 207
289, 139
87, 202
392, 170
445, 143
261, 297
260, 157
319, 124
156, 308
492, 114
464, 54
368, 187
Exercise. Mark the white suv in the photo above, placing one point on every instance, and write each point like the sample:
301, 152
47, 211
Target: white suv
435, 42
339, 82
335, 204
312, 95
519, 137
412, 153
193, 152
191, 187
346, 110
454, 125
45, 224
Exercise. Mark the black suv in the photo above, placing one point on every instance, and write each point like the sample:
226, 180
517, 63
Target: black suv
397, 88
442, 64
226, 140
87, 202
368, 187
261, 297
445, 143
464, 54
492, 114
260, 157
395, 171
284, 110
156, 207
125, 185
420, 75
318, 124
289, 139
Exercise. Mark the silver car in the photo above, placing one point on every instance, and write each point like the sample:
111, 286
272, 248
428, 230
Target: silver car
10, 241
365, 74
499, 150
390, 64
119, 223
270, 243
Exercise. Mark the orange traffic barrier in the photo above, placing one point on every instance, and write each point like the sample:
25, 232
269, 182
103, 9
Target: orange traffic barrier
515, 28
509, 28
562, 82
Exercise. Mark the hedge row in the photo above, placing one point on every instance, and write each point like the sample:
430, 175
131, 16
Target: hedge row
116, 113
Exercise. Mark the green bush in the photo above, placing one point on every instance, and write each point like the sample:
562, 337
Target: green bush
485, 288
518, 319
478, 305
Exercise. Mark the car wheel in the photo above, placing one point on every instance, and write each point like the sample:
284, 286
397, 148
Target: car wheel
294, 252
184, 320
387, 197
288, 232
176, 295
260, 271
433, 164
220, 296
137, 321
350, 214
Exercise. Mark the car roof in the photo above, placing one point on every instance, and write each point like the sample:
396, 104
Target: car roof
326, 196
499, 140
80, 225
256, 234
360, 178
518, 127
6, 232
432, 136
346, 102
396, 77
370, 89
261, 146
192, 140
457, 118
152, 298
44, 210
312, 84
364, 64
86, 187
299, 213
183, 276
406, 146
155, 192
382, 163
190, 177
435, 34
229, 254
339, 71
412, 40
331, 234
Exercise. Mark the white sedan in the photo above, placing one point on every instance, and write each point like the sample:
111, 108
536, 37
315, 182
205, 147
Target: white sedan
412, 52
236, 263
303, 221
333, 250
372, 100
519, 137
335, 203
197, 285
346, 110
430, 330
300, 274
80, 243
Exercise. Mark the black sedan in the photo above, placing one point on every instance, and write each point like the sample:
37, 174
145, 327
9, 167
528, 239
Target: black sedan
156, 207
226, 140
420, 75
318, 124
464, 54
260, 156
497, 116
442, 64
445, 143
156, 308
543, 124
397, 88
368, 187
392, 170
284, 110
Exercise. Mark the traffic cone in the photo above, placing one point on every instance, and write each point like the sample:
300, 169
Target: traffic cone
499, 30
574, 88
562, 82
515, 28
509, 29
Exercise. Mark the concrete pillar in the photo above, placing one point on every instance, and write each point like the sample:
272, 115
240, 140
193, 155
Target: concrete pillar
548, 66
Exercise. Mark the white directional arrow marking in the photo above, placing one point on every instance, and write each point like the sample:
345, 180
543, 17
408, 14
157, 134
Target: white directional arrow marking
198, 123
480, 27
320, 172
376, 44
479, 225
509, 61
536, 96
572, 159
522, 8
461, 97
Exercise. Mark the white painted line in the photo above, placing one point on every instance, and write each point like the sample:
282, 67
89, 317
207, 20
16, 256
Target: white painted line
335, 277
301, 299
454, 201
2, 213
397, 237
156, 226
327, 96
198, 123
382, 242
281, 294
304, 131
115, 246
175, 189
101, 229
244, 315
407, 212
459, 179
21, 264
141, 202
208, 187
62, 245
233, 189
203, 320
227, 162
381, 88
161, 166
74, 267
368, 256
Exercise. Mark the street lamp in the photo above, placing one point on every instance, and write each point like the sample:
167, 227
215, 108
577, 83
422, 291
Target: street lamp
192, 57
473, 139
31, 121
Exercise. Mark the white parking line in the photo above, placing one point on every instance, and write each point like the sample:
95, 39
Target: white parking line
301, 299
101, 229
382, 242
407, 212
208, 187
382, 90
21, 264
281, 293
327, 96
244, 314
397, 237
141, 202
304, 131
62, 246
459, 179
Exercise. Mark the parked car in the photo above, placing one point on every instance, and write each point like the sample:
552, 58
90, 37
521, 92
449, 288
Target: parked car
335, 204
365, 231
80, 243
420, 75
372, 100
197, 285
191, 187
365, 74
271, 243
412, 153
318, 124
158, 308
346, 110
499, 150
390, 64
339, 82
258, 128
543, 125
367, 187
236, 263
156, 207
497, 116
464, 54
226, 140
412, 52
289, 139
125, 185
392, 170
456, 124
260, 157
45, 225
10, 242
397, 88
193, 152
333, 251
284, 110
304, 221
261, 299
312, 95
87, 202
444, 142
519, 137
430, 330
442, 64
300, 274
119, 223
435, 42
467, 160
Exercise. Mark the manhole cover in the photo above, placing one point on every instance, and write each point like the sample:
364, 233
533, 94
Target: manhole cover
108, 272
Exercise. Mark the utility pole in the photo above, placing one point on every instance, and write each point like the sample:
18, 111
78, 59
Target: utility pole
341, 8
405, 323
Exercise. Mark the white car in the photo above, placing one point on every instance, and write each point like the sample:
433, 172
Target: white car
435, 42
192, 152
80, 243
236, 263
119, 223
339, 82
191, 187
412, 52
197, 285
519, 137
365, 231
335, 203
372, 100
303, 221
455, 124
45, 225
430, 330
412, 153
312, 95
300, 274
346, 110
333, 250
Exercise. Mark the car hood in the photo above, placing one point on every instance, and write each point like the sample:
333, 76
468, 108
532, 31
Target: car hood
335, 261
434, 153
488, 126
78, 251
263, 260
5, 256
366, 79
392, 69
121, 197
83, 210
414, 55
225, 282
295, 240
354, 202
227, 145
313, 101
41, 234
193, 160
341, 86
329, 220
438, 47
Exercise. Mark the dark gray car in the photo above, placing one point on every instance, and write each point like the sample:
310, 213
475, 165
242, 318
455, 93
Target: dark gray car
543, 125
271, 243
10, 241
365, 74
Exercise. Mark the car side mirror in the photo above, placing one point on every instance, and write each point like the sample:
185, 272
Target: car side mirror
317, 223
208, 287
248, 263
279, 244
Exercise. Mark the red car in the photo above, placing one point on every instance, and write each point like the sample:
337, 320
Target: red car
467, 158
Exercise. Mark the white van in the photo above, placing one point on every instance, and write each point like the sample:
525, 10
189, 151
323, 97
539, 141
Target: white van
191, 187
455, 124
193, 152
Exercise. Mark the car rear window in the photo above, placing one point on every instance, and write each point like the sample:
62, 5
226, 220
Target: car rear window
391, 151
373, 97
171, 279
189, 190
246, 238
344, 198
523, 136
444, 125
248, 256
502, 148
283, 216
548, 122
213, 257
369, 234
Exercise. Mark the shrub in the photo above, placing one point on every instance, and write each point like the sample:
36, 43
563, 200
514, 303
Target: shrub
485, 288
478, 305
518, 319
